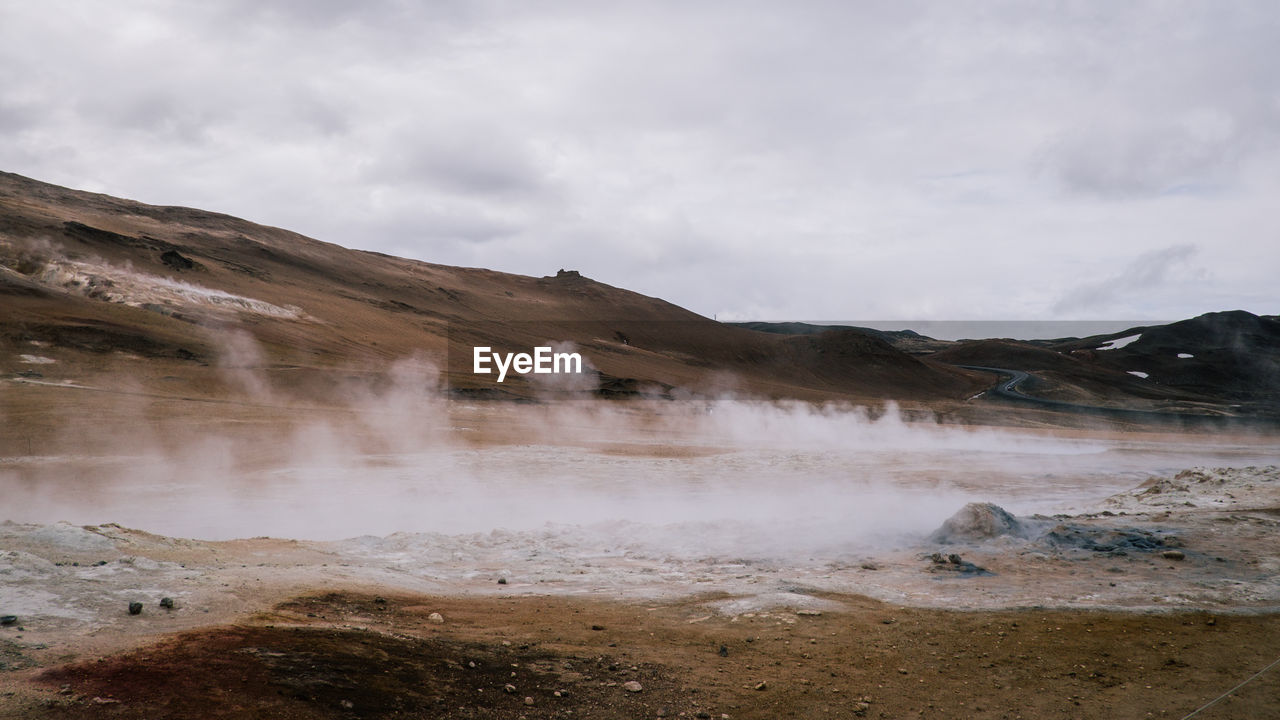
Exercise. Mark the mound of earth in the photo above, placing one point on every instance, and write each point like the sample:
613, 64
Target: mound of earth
1247, 488
976, 522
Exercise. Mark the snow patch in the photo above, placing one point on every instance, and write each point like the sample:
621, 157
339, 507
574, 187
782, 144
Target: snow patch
1139, 373
1119, 342
36, 360
1184, 356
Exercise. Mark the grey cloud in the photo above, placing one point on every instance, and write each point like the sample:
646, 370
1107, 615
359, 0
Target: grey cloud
16, 116
463, 160
827, 147
1148, 158
1142, 275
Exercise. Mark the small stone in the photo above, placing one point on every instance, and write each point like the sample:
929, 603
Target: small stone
1173, 555
8, 619
724, 651
902, 670
762, 685
347, 704
809, 613
380, 600
528, 700
436, 618
861, 708
597, 627
632, 686
135, 608
104, 701
502, 581
1211, 621
509, 688
166, 603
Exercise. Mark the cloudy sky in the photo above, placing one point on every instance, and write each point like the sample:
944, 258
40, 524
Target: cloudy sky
756, 160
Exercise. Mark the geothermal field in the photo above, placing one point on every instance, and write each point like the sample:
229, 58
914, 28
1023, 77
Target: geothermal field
799, 556
248, 474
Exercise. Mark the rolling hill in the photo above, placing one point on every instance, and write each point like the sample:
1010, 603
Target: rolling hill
93, 284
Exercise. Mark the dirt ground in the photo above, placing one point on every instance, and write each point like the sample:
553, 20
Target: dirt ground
277, 628
342, 654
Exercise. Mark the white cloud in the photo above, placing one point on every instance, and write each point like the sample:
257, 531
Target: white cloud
825, 160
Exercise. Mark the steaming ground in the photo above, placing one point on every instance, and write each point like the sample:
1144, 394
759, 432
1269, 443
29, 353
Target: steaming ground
768, 505
721, 478
297, 542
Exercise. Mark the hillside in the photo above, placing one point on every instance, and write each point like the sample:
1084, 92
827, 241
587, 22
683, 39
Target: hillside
1232, 356
93, 284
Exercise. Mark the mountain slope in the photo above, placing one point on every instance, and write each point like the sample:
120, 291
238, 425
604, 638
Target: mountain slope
95, 282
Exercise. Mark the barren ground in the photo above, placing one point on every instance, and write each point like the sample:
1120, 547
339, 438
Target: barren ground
1083, 615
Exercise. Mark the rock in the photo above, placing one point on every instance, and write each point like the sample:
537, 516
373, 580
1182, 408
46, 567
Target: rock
502, 581
1173, 555
135, 608
509, 688
166, 603
8, 619
379, 600
632, 686
861, 708
1113, 541
762, 685
952, 562
976, 522
528, 700
724, 651
176, 260
436, 618
809, 613
597, 627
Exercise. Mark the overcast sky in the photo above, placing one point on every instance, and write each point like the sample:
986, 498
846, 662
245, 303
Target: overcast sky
756, 160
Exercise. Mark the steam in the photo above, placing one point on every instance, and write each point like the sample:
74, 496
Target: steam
241, 363
44, 262
729, 478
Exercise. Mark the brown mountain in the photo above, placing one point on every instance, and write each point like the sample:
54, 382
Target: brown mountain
173, 297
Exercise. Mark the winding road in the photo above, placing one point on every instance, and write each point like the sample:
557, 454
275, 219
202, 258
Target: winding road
1007, 389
